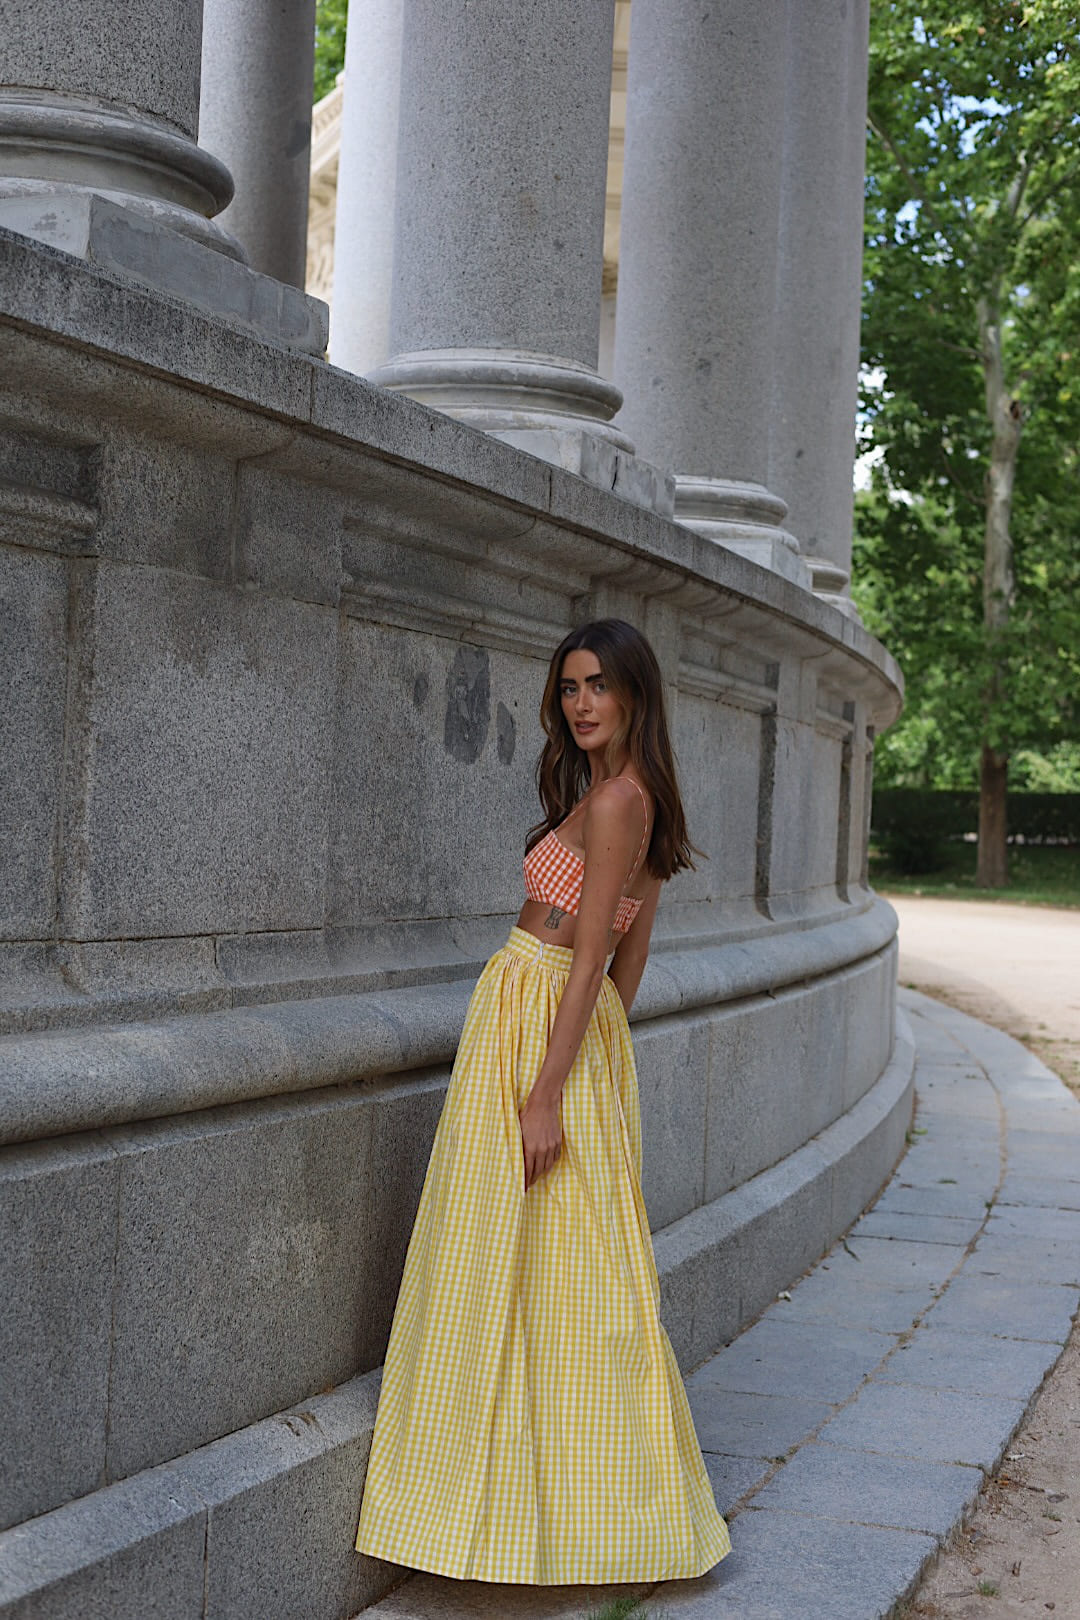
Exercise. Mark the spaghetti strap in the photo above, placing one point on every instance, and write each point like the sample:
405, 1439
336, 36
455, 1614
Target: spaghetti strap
644, 805
644, 835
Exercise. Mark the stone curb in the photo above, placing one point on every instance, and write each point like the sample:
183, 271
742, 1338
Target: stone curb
852, 1427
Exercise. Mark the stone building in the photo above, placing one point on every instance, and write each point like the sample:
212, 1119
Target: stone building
274, 632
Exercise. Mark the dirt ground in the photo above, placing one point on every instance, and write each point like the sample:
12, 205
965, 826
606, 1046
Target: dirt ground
1018, 968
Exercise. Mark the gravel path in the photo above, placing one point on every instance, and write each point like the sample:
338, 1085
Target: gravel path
1016, 967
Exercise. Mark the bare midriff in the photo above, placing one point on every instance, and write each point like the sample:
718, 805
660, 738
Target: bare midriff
553, 926
557, 927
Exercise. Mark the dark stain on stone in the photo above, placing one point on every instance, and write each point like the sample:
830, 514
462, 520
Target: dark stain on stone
506, 733
468, 706
420, 690
299, 137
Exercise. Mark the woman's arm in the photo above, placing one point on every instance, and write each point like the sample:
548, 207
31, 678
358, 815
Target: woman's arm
632, 951
611, 834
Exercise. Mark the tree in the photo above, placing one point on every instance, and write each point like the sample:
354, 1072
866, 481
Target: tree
330, 17
971, 335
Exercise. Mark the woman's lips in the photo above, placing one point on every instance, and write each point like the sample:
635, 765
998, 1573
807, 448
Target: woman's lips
585, 725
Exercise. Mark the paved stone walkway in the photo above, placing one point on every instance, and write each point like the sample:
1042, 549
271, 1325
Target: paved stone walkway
850, 1428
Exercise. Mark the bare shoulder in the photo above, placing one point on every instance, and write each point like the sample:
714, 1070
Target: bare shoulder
615, 808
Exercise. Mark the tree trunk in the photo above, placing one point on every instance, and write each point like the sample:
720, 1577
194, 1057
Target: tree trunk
999, 589
991, 869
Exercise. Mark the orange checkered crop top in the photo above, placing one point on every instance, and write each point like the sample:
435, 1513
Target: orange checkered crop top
554, 873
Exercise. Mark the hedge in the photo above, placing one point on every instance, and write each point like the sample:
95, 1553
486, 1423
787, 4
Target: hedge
912, 824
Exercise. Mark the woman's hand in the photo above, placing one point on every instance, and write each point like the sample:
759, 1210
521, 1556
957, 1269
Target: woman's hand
541, 1135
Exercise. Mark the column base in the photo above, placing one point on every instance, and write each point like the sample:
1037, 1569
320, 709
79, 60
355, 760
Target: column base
510, 392
131, 244
829, 582
600, 462
557, 410
53, 146
746, 518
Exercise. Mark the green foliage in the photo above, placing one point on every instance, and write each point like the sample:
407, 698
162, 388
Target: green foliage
1057, 771
973, 194
329, 44
1039, 875
917, 584
913, 827
910, 826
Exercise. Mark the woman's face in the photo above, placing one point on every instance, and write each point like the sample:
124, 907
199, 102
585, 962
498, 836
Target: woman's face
593, 714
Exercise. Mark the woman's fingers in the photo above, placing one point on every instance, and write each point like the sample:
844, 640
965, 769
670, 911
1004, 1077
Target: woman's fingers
540, 1146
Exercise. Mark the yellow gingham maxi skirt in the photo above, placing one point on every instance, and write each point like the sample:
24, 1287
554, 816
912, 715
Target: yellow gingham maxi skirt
532, 1424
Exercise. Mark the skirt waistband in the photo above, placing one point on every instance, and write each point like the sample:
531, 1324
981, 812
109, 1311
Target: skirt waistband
522, 943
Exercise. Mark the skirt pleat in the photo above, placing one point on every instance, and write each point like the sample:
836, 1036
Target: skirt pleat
532, 1423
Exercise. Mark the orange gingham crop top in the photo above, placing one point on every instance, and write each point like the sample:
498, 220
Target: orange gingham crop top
554, 873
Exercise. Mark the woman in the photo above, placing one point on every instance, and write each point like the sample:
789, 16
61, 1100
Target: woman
532, 1424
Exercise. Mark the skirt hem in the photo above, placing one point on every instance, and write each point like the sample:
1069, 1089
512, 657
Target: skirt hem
612, 1578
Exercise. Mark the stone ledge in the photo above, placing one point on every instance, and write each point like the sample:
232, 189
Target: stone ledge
74, 984
219, 1524
53, 1083
136, 330
101, 232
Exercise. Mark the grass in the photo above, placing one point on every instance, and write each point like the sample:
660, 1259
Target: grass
1039, 875
988, 1589
621, 1608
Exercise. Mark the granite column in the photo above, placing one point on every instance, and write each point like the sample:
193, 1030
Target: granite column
105, 101
498, 242
258, 62
819, 283
694, 331
367, 186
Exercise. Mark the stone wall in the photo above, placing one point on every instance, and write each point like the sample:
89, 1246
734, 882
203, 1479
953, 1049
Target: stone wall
273, 645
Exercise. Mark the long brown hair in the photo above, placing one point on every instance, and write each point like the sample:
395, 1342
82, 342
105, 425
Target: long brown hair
630, 671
